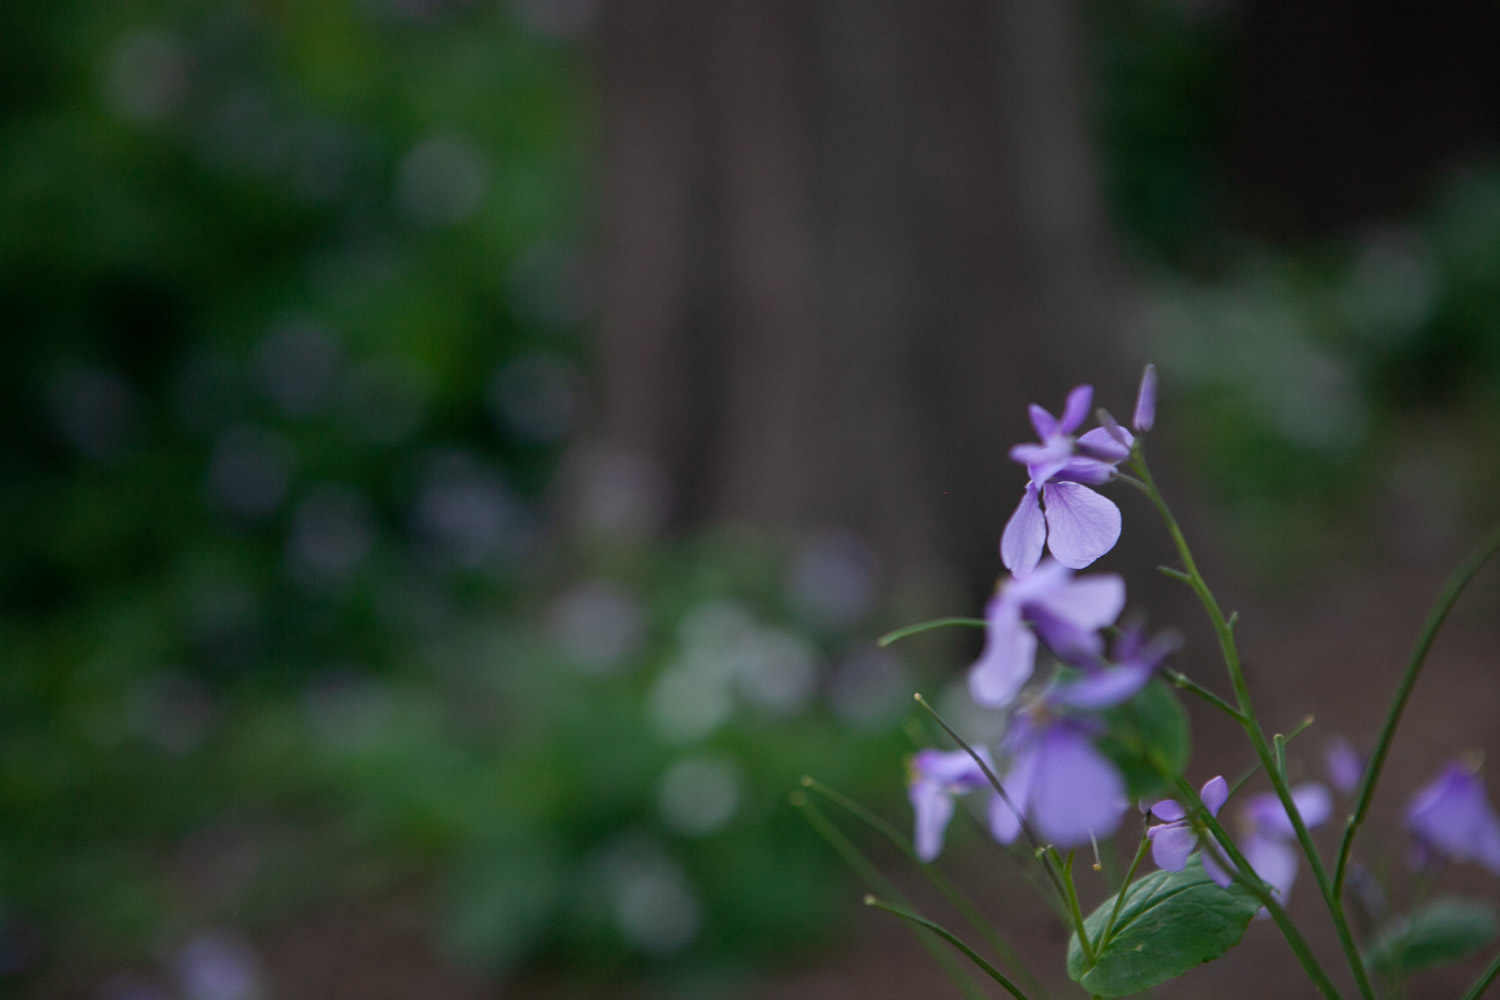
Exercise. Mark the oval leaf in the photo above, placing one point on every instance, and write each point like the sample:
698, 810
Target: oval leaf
1443, 931
1171, 922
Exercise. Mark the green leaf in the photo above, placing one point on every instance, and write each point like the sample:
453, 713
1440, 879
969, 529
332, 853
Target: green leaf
1443, 931
1145, 735
1170, 923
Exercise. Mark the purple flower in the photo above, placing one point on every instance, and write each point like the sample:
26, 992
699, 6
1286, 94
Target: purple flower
1058, 511
1452, 818
938, 778
1268, 846
1345, 766
1065, 612
1063, 786
1173, 839
1099, 685
1145, 401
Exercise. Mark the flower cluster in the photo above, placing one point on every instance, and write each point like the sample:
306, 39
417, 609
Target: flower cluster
1055, 778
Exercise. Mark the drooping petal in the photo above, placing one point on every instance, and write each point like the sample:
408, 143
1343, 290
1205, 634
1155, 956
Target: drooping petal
1274, 860
1078, 792
934, 808
1215, 869
1024, 536
1076, 410
1168, 811
1081, 524
1008, 658
1171, 843
1215, 793
1018, 783
1078, 647
1102, 688
1145, 401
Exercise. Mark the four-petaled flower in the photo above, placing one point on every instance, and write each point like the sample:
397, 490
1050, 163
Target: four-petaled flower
1451, 817
938, 778
1065, 612
1173, 839
1268, 843
1058, 510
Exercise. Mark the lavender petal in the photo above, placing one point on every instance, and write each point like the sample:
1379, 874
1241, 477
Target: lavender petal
1145, 401
934, 808
1171, 843
1081, 524
1076, 410
1024, 536
1079, 794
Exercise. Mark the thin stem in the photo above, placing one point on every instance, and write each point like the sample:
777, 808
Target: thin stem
962, 903
1251, 726
1114, 914
1030, 834
1447, 597
952, 939
1246, 876
1191, 686
867, 870
1239, 782
903, 632
1483, 982
1076, 913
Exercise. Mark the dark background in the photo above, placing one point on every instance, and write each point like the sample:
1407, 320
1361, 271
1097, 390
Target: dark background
455, 456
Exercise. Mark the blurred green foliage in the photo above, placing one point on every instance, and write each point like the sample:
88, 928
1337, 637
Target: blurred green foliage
294, 295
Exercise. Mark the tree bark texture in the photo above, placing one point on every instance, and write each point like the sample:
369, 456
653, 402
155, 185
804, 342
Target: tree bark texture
845, 242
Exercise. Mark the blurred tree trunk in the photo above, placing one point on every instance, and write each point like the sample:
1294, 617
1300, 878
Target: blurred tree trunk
846, 241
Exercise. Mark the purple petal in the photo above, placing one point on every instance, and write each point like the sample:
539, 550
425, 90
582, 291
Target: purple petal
1145, 401
1215, 793
1081, 524
1274, 860
1269, 818
1025, 534
1018, 784
1045, 423
1102, 688
1171, 843
1100, 444
955, 768
1008, 658
1089, 602
934, 808
1345, 767
1215, 868
1078, 792
1452, 816
1168, 810
1082, 648
1076, 410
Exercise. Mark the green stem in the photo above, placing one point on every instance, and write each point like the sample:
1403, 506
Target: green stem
1026, 830
962, 903
1076, 913
952, 939
1446, 598
1191, 686
1483, 982
1246, 876
908, 630
1114, 914
1249, 722
867, 870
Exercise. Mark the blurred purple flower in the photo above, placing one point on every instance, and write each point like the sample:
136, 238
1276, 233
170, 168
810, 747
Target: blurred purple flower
1100, 685
1065, 612
1268, 847
1345, 766
1452, 817
1058, 511
1058, 781
937, 778
1173, 839
1145, 401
